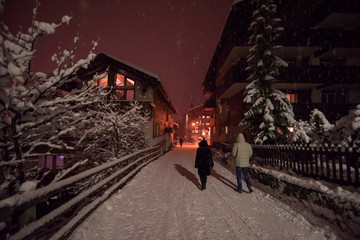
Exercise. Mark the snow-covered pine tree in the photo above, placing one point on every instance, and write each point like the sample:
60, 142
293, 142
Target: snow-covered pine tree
270, 112
320, 128
30, 101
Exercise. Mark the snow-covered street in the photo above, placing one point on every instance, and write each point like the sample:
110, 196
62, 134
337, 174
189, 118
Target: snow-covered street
164, 201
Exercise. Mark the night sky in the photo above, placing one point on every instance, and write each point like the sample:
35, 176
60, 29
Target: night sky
174, 39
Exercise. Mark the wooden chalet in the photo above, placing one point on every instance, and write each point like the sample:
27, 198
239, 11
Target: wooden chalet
129, 82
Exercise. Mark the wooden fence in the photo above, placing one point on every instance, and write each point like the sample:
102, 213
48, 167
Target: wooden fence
335, 164
18, 212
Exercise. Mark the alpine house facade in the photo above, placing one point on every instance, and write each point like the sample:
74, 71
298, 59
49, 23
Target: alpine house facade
320, 43
129, 82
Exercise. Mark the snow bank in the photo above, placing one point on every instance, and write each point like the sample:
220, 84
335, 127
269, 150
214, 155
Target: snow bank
337, 206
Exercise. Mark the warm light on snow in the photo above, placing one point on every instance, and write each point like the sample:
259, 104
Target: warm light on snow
164, 202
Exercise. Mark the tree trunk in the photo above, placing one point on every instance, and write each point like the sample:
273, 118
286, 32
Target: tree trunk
15, 138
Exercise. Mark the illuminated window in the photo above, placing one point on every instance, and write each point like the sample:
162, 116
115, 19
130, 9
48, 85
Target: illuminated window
101, 82
120, 80
130, 82
130, 95
293, 97
51, 161
124, 88
104, 81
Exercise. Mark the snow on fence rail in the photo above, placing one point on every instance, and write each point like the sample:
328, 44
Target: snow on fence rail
104, 180
336, 164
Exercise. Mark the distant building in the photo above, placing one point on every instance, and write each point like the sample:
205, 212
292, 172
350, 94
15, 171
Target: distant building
321, 44
197, 124
128, 82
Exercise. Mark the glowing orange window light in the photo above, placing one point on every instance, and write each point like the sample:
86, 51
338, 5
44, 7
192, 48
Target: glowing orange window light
120, 80
104, 81
130, 82
293, 98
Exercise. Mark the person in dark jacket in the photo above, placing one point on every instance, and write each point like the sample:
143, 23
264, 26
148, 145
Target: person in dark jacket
203, 162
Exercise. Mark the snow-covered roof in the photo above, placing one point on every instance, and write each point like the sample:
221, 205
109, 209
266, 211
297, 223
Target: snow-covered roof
141, 69
154, 78
237, 1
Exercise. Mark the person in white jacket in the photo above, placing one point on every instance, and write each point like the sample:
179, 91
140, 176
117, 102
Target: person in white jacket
242, 151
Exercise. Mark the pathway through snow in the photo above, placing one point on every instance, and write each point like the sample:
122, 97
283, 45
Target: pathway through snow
164, 202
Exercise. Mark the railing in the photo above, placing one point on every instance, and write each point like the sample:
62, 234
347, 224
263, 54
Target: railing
335, 164
70, 208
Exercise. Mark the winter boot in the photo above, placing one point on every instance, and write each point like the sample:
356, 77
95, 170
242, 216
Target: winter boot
250, 190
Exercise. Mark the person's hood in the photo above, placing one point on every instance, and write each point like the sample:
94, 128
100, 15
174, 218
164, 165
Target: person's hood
240, 138
203, 143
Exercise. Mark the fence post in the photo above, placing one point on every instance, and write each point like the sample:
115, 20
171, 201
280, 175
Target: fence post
328, 164
316, 152
29, 214
281, 156
356, 166
340, 155
348, 164
286, 157
2, 175
291, 153
333, 161
307, 158
321, 149
301, 149
312, 155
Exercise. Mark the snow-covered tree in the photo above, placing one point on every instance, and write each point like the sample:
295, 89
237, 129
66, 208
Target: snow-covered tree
100, 133
31, 101
270, 113
320, 132
112, 131
347, 129
320, 128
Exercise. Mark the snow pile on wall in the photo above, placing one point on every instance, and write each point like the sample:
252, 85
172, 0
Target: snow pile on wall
337, 206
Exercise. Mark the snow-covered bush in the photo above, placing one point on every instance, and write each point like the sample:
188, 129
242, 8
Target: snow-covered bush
347, 129
270, 112
300, 133
318, 131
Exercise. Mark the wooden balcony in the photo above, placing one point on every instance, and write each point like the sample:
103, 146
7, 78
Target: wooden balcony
296, 78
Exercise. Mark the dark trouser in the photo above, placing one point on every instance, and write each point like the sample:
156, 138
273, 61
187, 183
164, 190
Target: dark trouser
203, 177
